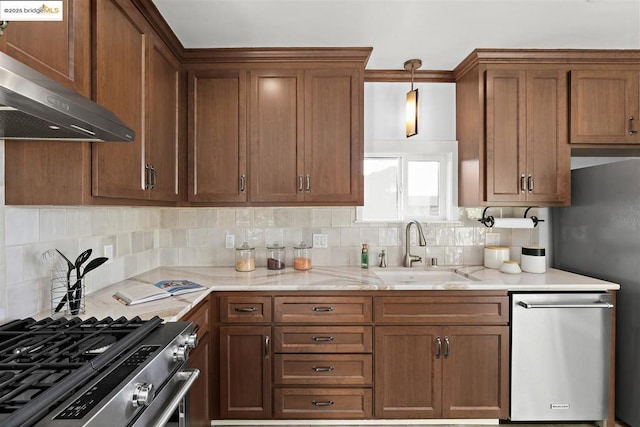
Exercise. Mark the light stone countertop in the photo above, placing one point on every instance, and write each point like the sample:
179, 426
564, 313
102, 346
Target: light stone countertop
101, 304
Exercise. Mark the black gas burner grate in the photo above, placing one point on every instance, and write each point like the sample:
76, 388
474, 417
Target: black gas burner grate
36, 356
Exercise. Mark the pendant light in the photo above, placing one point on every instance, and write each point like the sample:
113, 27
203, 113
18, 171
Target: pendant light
411, 122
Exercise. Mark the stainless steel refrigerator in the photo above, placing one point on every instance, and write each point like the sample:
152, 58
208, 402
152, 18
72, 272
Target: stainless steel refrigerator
599, 236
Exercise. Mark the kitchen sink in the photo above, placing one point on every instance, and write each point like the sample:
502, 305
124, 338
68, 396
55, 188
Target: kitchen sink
395, 276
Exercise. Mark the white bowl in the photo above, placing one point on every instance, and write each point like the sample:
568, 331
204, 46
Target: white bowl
510, 267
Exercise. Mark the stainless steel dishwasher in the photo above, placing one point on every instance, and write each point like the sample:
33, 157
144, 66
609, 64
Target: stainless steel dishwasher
560, 350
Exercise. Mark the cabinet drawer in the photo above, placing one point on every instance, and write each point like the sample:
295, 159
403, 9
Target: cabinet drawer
322, 309
245, 309
323, 403
323, 369
322, 339
442, 310
200, 316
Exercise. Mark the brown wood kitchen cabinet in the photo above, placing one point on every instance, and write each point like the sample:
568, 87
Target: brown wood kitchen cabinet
144, 92
49, 172
200, 358
442, 356
605, 106
276, 127
513, 147
245, 357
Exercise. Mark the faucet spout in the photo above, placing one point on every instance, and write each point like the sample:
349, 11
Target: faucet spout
408, 258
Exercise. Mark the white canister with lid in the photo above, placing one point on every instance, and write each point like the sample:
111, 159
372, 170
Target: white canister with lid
495, 255
533, 259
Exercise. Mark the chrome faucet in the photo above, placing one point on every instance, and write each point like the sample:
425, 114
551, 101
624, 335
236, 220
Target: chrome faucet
408, 258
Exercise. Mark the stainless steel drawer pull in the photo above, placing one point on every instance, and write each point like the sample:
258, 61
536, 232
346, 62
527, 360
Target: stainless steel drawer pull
322, 309
246, 309
447, 347
323, 368
300, 183
439, 348
322, 339
308, 185
523, 183
600, 304
632, 131
530, 183
325, 403
243, 183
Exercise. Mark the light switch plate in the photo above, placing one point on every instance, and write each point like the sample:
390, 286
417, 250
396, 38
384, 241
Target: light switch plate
492, 238
320, 241
229, 241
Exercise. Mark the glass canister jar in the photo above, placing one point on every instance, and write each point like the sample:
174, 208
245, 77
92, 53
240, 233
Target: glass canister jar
245, 258
302, 257
275, 256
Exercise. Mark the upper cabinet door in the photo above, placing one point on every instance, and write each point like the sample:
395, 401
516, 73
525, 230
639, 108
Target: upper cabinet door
58, 49
120, 79
505, 155
605, 107
276, 136
217, 147
548, 154
333, 135
162, 159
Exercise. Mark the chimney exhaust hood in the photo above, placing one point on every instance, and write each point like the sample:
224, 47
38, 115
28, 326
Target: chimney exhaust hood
33, 106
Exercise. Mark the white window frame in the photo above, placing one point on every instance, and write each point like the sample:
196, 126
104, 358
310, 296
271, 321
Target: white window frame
444, 152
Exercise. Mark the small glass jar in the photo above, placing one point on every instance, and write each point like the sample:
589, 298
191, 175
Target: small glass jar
302, 257
275, 256
245, 258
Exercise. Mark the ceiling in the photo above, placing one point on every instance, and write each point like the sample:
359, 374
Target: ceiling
440, 32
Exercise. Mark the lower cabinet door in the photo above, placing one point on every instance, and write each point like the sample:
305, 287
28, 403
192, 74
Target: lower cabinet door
199, 408
475, 372
408, 373
245, 372
324, 403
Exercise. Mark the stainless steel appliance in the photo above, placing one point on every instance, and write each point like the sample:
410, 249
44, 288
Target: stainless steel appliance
33, 106
560, 347
599, 236
73, 372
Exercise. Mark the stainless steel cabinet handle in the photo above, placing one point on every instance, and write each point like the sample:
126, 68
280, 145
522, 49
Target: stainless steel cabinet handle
266, 347
325, 403
523, 183
246, 309
632, 131
601, 304
300, 183
147, 177
243, 181
308, 185
322, 309
322, 339
530, 183
439, 348
323, 368
154, 177
447, 347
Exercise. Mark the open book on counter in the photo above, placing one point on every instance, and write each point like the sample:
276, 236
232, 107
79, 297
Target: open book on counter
145, 292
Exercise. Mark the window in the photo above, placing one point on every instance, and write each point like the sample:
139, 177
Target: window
407, 186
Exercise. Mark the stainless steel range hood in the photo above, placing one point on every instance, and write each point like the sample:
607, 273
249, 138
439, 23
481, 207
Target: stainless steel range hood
33, 106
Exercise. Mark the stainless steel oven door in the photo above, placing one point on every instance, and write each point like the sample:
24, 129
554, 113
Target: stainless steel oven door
172, 397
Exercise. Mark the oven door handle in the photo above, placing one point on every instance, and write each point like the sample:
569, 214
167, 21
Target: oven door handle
189, 376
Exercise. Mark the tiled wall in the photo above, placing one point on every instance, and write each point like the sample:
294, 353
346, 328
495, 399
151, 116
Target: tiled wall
144, 238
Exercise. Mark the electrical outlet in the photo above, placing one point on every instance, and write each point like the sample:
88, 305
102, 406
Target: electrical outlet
229, 241
108, 252
492, 238
320, 241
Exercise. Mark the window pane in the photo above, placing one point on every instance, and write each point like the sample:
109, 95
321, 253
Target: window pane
423, 183
381, 189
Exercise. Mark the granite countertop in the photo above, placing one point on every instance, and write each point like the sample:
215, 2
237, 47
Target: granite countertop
101, 304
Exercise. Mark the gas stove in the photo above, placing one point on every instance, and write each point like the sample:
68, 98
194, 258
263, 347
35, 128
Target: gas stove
74, 372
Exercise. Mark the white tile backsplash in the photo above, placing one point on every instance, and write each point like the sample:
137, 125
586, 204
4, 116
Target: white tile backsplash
144, 238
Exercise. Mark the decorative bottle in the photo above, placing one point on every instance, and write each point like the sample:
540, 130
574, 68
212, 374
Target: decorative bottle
364, 256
